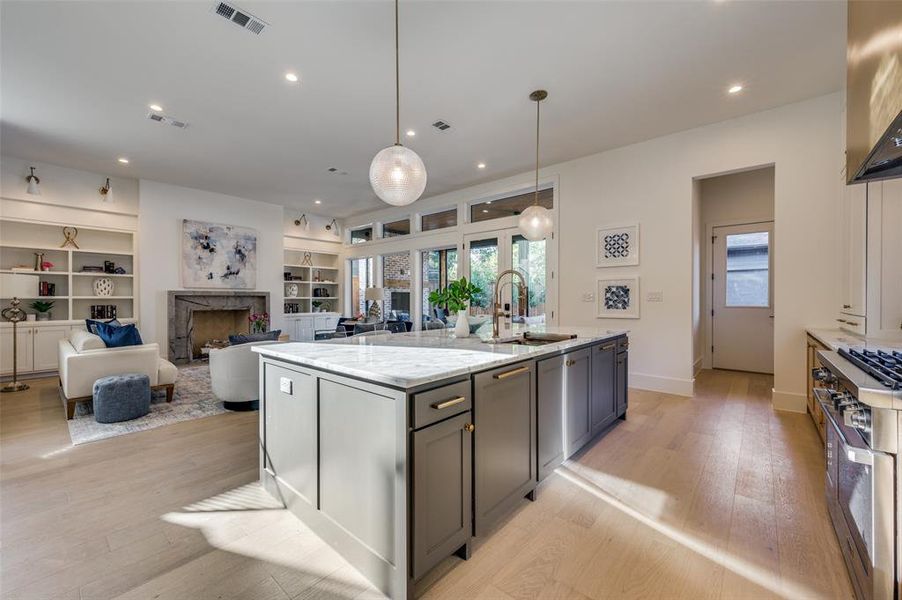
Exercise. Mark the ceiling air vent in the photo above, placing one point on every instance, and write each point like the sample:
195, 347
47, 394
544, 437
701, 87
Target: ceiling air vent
441, 125
158, 118
243, 19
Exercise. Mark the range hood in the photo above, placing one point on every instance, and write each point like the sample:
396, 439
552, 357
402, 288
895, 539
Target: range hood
874, 91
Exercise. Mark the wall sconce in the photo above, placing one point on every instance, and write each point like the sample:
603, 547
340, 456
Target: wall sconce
333, 227
302, 221
106, 192
33, 183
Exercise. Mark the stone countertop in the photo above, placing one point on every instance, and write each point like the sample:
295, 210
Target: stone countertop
837, 338
409, 360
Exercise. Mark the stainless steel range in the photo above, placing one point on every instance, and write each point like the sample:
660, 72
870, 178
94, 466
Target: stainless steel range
860, 391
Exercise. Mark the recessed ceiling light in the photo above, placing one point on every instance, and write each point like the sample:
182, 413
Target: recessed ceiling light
317, 201
480, 166
123, 160
735, 89
156, 107
292, 77
411, 133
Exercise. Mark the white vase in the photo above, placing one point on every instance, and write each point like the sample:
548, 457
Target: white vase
103, 286
462, 327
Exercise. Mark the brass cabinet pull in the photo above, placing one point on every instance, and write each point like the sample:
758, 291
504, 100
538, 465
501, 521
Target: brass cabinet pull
512, 372
852, 323
447, 403
469, 427
841, 320
607, 347
570, 363
847, 306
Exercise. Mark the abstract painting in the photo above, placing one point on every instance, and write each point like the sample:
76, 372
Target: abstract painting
618, 298
617, 246
218, 256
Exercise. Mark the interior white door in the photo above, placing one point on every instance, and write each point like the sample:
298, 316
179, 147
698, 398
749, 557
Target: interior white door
743, 323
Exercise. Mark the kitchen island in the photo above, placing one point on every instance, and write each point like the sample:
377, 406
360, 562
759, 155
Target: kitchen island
398, 449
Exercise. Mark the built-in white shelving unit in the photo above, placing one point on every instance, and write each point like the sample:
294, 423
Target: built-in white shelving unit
318, 286
74, 293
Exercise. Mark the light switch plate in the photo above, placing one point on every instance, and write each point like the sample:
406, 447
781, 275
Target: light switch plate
285, 385
654, 297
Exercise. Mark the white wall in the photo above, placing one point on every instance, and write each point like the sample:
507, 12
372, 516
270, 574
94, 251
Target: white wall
737, 198
162, 209
652, 182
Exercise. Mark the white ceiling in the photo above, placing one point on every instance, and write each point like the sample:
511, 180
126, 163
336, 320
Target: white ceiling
77, 78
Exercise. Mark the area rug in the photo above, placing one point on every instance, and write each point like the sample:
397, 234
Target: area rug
193, 399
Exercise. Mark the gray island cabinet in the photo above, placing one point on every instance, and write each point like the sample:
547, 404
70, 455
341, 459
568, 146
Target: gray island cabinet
398, 450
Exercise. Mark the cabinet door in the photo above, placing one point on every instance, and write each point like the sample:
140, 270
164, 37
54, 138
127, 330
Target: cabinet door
854, 250
305, 329
289, 435
604, 398
504, 412
576, 381
46, 347
550, 400
622, 383
24, 349
442, 494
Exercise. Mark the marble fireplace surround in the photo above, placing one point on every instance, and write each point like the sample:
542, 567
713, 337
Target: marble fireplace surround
182, 304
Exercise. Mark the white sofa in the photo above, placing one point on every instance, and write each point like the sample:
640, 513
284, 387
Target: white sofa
84, 358
235, 375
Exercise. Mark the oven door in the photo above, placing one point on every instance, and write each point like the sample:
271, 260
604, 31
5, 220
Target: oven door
865, 494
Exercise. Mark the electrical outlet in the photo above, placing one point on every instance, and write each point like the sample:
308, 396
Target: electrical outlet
589, 297
654, 297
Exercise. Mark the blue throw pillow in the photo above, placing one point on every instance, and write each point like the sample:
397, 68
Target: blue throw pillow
243, 338
91, 324
118, 336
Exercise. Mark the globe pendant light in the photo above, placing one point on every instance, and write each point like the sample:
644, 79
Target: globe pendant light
535, 222
397, 174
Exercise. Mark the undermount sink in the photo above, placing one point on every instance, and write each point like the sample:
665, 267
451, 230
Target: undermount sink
534, 339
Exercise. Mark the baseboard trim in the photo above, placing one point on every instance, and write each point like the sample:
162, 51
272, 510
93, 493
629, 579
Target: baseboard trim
696, 367
667, 385
789, 401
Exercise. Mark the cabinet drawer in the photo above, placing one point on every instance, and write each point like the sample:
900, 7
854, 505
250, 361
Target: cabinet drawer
440, 403
852, 324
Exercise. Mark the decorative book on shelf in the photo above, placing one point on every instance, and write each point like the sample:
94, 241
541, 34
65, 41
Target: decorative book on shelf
103, 311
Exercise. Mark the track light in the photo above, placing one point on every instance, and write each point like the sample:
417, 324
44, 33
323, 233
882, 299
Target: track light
106, 192
33, 183
302, 221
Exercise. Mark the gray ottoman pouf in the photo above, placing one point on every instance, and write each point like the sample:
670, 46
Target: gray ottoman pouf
121, 397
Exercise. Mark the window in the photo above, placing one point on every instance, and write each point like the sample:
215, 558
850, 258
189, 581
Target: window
510, 206
483, 270
396, 285
529, 258
396, 228
361, 278
359, 236
439, 220
748, 269
439, 267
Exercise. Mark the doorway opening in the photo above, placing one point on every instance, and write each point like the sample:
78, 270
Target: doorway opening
733, 307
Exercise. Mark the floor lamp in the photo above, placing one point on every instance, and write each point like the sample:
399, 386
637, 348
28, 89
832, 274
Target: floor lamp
16, 286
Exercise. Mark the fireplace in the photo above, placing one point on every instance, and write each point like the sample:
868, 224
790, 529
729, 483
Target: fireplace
196, 317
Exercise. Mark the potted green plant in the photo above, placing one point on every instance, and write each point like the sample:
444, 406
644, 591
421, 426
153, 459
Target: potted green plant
42, 307
456, 298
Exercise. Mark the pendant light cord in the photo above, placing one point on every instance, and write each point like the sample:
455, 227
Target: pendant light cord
397, 83
538, 102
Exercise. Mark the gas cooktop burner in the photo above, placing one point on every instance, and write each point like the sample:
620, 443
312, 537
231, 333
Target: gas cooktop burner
885, 367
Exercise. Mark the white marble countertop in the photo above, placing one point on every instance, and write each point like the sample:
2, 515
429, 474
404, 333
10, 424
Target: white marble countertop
407, 360
837, 338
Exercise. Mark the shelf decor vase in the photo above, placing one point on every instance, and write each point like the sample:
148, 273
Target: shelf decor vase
103, 286
291, 290
462, 326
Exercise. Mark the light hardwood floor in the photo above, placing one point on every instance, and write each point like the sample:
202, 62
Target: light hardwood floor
715, 496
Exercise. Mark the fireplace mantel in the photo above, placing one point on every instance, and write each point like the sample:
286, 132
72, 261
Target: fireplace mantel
182, 304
